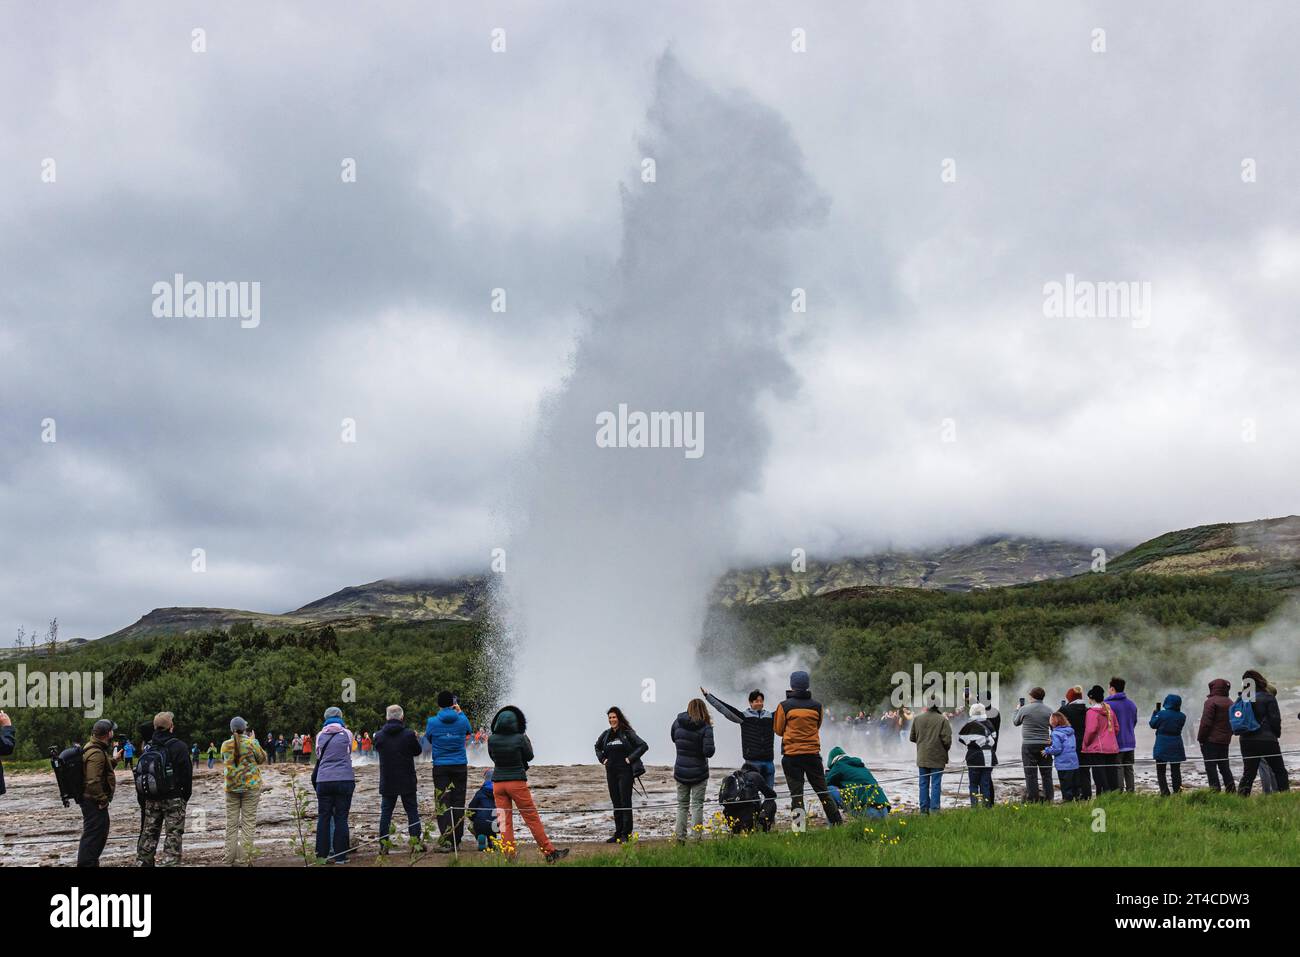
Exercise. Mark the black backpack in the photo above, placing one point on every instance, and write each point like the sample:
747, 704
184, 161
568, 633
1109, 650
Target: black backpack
155, 778
738, 788
69, 773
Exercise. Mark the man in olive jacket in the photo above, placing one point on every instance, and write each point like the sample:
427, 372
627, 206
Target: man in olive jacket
98, 761
932, 735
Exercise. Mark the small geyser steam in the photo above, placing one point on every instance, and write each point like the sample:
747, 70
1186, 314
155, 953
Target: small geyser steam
613, 551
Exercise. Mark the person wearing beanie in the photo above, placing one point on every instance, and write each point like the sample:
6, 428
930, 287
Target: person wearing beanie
979, 737
797, 721
98, 761
335, 783
1034, 718
860, 793
1100, 742
241, 755
1214, 734
1075, 710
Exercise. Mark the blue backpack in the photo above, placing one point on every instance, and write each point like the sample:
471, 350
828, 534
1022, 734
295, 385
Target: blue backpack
1242, 717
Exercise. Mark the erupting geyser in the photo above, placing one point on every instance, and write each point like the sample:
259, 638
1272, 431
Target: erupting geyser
617, 539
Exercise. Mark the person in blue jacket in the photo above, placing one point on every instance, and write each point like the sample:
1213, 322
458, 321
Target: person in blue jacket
483, 812
1169, 752
446, 732
1065, 754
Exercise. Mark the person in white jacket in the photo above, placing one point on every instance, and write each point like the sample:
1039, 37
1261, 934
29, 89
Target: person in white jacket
980, 738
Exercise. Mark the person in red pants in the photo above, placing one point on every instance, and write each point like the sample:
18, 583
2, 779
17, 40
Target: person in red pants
510, 751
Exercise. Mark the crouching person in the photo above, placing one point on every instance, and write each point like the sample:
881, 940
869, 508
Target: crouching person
860, 794
483, 812
163, 780
747, 800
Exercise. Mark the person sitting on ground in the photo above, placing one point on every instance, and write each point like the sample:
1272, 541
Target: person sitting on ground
1168, 720
748, 802
1066, 754
860, 793
482, 812
980, 740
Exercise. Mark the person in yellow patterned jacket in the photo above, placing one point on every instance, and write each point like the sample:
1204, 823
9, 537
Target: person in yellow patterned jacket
240, 756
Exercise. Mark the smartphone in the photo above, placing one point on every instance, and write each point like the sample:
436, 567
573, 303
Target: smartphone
1022, 702
1063, 702
966, 693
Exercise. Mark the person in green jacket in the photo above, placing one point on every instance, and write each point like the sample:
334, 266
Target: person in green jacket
860, 793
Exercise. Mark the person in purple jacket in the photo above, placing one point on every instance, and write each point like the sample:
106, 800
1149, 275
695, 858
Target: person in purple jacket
1126, 713
335, 783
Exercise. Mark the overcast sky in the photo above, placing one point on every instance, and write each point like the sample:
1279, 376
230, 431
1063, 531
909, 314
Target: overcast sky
479, 170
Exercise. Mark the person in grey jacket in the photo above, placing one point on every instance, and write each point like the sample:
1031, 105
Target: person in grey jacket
1034, 720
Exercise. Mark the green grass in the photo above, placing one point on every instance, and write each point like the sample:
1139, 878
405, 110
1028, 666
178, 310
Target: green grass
1196, 828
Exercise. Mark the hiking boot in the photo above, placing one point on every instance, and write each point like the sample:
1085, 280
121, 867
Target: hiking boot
613, 840
559, 854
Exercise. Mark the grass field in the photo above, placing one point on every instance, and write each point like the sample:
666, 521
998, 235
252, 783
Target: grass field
1196, 828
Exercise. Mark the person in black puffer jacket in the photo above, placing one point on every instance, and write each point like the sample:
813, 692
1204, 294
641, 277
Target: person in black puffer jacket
398, 747
1262, 744
692, 735
620, 750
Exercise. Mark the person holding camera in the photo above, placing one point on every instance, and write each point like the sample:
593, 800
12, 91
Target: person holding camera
98, 760
241, 755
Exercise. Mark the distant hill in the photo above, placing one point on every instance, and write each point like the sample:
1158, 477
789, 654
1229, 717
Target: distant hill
1264, 552
989, 563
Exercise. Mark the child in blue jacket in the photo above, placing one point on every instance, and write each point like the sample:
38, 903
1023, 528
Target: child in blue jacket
1168, 722
1065, 754
482, 812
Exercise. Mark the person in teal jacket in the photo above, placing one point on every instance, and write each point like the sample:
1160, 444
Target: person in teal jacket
859, 790
1168, 720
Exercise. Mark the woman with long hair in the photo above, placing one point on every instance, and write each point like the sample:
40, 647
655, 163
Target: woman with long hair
1101, 742
620, 750
1261, 745
240, 757
692, 735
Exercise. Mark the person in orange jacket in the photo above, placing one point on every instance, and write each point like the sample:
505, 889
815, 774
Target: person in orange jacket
797, 721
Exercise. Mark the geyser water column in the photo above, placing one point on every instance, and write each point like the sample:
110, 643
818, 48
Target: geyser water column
615, 548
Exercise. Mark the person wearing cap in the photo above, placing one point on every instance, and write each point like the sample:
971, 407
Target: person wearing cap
98, 761
797, 721
335, 783
932, 736
164, 816
980, 739
240, 756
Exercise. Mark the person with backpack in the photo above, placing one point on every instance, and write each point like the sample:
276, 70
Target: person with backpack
97, 783
1257, 721
619, 749
1035, 719
445, 731
397, 747
748, 801
164, 780
335, 782
212, 754
241, 756
1126, 719
1075, 710
1101, 742
797, 721
692, 736
1168, 720
511, 752
860, 793
6, 744
1214, 734
482, 812
980, 740
932, 736
756, 735
1064, 753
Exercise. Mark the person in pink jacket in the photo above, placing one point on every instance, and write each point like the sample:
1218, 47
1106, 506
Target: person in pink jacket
1100, 742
